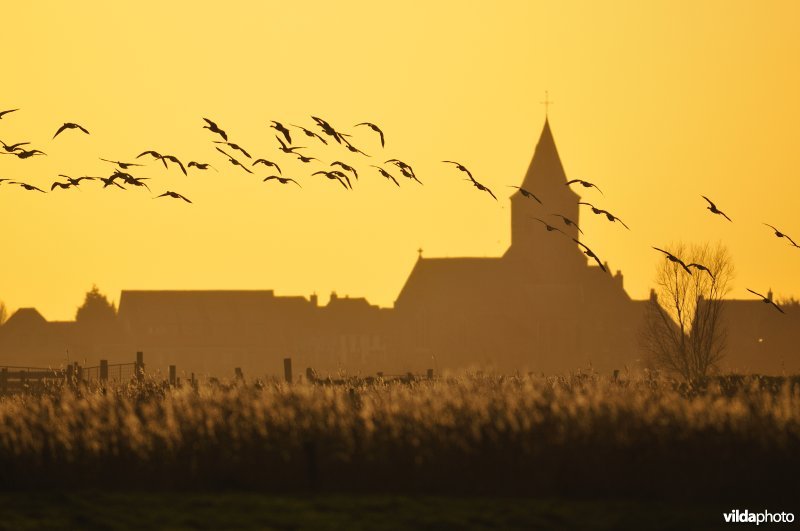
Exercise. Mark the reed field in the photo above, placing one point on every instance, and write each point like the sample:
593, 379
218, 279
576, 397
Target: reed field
576, 436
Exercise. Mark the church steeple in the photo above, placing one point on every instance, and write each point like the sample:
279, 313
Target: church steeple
547, 180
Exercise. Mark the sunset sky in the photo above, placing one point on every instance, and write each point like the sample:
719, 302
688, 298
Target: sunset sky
656, 102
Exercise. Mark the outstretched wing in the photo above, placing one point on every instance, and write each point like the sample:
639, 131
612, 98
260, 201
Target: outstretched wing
60, 129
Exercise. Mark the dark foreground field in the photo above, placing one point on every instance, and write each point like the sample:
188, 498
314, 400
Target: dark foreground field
247, 510
491, 452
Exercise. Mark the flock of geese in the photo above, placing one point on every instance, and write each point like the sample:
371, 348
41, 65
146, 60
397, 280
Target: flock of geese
338, 171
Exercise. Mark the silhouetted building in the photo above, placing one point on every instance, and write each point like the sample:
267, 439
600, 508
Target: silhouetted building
543, 306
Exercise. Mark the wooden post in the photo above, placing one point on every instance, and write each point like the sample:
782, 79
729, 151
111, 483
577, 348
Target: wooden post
140, 366
287, 369
103, 370
239, 373
79, 372
173, 379
4, 380
616, 374
70, 375
430, 374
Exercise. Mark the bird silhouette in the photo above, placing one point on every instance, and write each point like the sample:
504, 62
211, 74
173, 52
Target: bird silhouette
234, 161
70, 125
374, 128
3, 113
155, 154
549, 227
328, 129
214, 128
351, 148
460, 167
526, 193
175, 160
588, 252
282, 129
345, 167
337, 176
287, 149
234, 146
127, 178
26, 154
77, 181
282, 180
766, 300
405, 169
111, 181
310, 133
122, 165
29, 187
674, 259
780, 234
386, 174
713, 208
585, 184
303, 158
268, 163
10, 148
59, 184
701, 267
174, 195
568, 222
483, 188
200, 165
611, 217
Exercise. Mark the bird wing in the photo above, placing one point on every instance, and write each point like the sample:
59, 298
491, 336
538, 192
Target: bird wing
770, 226
726, 216
623, 223
710, 202
295, 182
756, 293
82, 128
65, 126
149, 152
776, 306
224, 153
183, 197
3, 113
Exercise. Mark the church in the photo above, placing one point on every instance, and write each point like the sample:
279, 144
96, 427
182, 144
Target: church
544, 306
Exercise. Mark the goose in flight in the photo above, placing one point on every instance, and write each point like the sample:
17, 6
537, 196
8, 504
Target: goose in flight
588, 252
174, 195
268, 163
386, 174
29, 187
568, 222
701, 267
282, 180
122, 165
714, 210
200, 165
527, 193
460, 167
547, 226
10, 148
287, 149
780, 234
337, 176
70, 125
585, 184
282, 129
674, 259
26, 154
405, 169
766, 300
310, 133
345, 167
234, 146
374, 128
214, 128
611, 217
234, 161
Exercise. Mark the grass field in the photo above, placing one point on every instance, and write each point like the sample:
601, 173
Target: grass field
462, 443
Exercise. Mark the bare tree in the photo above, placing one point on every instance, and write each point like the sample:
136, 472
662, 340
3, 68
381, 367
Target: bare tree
683, 328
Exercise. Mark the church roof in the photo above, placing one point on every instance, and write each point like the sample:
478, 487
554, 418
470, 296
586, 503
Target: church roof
437, 276
25, 318
545, 173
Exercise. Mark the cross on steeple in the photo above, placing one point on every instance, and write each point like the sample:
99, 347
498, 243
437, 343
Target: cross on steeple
547, 103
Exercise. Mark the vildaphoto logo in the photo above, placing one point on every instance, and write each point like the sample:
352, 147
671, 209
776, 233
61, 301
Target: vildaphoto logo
764, 517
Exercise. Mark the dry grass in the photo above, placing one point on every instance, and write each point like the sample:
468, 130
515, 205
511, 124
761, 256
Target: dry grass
481, 434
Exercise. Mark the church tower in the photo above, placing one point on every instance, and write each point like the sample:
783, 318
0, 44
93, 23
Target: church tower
548, 253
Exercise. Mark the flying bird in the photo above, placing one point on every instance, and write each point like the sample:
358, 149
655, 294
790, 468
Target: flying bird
460, 167
70, 125
200, 165
303, 158
674, 259
611, 217
526, 193
766, 300
588, 252
310, 133
76, 181
26, 154
282, 180
122, 165
155, 154
345, 167
585, 184
549, 227
175, 160
405, 169
234, 146
714, 210
350, 147
568, 222
780, 234
214, 128
386, 174
701, 267
10, 148
287, 149
29, 187
374, 128
483, 188
335, 175
59, 184
3, 113
328, 129
268, 163
111, 181
234, 161
174, 195
279, 127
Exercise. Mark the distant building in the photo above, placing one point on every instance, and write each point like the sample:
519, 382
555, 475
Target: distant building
543, 306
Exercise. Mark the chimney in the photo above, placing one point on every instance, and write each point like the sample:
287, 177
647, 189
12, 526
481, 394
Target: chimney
313, 300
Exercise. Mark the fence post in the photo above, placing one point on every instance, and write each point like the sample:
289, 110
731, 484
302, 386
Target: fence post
79, 372
173, 381
616, 374
430, 374
4, 380
139, 366
70, 375
287, 369
239, 374
103, 370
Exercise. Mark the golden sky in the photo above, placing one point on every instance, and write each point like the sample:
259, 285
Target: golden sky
656, 102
